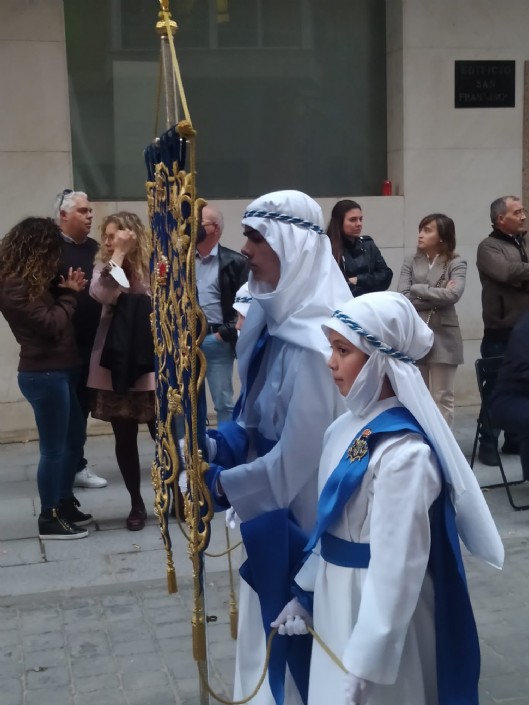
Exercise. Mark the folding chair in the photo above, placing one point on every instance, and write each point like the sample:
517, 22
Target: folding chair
487, 369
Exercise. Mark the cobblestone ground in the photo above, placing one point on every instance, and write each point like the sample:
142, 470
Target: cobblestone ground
90, 622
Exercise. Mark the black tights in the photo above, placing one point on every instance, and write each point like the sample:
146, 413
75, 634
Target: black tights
126, 435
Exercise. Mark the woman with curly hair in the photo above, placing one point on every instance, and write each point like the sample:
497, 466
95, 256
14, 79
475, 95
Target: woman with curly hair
362, 265
123, 271
40, 317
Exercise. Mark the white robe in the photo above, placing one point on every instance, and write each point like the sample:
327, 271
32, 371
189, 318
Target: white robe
292, 401
379, 620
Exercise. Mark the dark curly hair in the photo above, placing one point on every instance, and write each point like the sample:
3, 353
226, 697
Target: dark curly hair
31, 251
334, 228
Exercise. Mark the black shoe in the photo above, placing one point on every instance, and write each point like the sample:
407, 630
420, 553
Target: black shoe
52, 526
510, 447
488, 455
68, 510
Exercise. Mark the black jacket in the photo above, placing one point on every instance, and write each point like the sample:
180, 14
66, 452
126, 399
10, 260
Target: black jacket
88, 312
361, 258
129, 348
233, 273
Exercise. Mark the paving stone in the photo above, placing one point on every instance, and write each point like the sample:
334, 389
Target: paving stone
52, 677
50, 696
11, 691
93, 666
127, 599
122, 612
40, 621
145, 646
10, 653
144, 679
143, 662
151, 696
41, 642
88, 644
9, 637
8, 618
44, 659
125, 631
11, 669
506, 687
79, 615
101, 697
91, 684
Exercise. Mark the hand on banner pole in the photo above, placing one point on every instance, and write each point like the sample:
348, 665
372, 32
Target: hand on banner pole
232, 518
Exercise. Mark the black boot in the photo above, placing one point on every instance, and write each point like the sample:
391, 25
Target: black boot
52, 526
68, 510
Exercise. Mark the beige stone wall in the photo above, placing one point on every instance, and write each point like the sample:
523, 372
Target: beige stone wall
35, 154
439, 158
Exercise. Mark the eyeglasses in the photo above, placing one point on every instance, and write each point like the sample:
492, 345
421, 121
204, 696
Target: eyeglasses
63, 196
208, 222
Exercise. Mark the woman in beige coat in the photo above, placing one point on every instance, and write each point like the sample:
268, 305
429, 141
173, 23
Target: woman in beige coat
434, 280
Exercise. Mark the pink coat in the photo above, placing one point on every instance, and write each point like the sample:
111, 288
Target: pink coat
106, 290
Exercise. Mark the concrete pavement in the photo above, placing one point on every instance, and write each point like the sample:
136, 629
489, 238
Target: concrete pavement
90, 621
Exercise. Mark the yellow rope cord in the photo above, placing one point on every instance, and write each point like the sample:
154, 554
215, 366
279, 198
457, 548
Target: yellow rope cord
176, 67
260, 682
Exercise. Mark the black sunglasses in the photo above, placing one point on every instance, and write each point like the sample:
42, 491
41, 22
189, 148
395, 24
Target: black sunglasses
63, 195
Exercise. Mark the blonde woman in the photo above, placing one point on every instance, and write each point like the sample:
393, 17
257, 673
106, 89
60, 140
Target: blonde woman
434, 280
122, 269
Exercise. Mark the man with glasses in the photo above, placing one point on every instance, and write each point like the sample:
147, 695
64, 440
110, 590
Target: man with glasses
73, 213
220, 272
503, 266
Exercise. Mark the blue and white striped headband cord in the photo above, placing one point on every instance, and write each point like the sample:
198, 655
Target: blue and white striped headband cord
284, 218
386, 349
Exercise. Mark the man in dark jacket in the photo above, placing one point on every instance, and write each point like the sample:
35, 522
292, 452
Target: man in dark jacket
73, 214
220, 273
509, 403
503, 267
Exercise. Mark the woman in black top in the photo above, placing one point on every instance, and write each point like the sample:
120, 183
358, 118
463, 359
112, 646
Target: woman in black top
358, 257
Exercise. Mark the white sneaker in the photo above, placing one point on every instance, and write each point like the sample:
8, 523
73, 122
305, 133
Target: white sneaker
88, 479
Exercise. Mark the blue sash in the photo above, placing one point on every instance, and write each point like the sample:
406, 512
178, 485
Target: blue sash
457, 645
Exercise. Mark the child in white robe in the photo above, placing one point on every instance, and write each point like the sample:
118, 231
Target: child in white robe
385, 569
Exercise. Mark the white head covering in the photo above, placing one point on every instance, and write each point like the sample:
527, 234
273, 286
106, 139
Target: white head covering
311, 284
397, 331
242, 300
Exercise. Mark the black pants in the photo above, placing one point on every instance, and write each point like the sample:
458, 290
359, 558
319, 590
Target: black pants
489, 437
512, 412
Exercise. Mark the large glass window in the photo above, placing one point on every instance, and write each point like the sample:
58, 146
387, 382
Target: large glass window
283, 94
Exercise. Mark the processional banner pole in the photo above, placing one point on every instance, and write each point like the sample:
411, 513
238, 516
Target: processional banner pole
178, 329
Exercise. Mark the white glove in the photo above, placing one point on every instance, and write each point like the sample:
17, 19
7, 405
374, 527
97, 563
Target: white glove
293, 619
357, 690
232, 518
182, 481
211, 447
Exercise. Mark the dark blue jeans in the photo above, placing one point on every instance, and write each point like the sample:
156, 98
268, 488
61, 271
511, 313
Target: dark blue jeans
61, 428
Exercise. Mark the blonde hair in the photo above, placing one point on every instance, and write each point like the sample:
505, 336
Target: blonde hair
138, 258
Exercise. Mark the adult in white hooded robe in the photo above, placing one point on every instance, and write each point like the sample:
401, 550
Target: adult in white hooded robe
288, 400
380, 619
